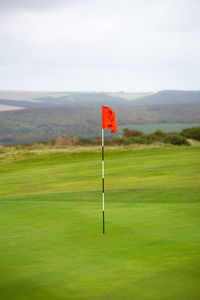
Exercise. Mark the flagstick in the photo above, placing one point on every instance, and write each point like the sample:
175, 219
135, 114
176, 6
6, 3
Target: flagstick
103, 178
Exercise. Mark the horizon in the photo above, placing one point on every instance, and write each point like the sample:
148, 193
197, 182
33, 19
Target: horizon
97, 91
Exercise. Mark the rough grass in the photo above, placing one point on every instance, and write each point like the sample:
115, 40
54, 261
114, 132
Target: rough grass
50, 224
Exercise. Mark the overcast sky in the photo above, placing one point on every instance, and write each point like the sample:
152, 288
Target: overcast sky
103, 45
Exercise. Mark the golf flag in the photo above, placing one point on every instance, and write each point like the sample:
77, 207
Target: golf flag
108, 122
108, 119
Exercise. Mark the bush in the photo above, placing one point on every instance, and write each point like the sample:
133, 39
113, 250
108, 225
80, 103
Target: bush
173, 133
118, 141
84, 142
52, 142
131, 133
130, 141
137, 140
66, 141
156, 136
191, 133
87, 142
176, 139
160, 134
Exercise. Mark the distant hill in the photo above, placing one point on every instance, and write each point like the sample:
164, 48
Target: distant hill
79, 114
34, 95
96, 99
84, 100
70, 100
46, 123
169, 97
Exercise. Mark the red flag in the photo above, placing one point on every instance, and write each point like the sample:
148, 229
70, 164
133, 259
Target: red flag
108, 119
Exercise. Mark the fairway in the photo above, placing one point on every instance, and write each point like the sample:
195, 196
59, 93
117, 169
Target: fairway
52, 246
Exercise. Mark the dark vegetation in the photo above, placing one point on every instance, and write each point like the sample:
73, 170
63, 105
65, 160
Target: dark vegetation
134, 137
170, 97
191, 133
176, 139
131, 133
79, 114
46, 123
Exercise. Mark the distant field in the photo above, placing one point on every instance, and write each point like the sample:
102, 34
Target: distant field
20, 95
30, 95
52, 245
129, 95
8, 107
149, 128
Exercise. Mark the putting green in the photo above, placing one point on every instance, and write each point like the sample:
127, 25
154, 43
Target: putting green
51, 239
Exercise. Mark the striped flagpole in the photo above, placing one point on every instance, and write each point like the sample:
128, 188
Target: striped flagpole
103, 179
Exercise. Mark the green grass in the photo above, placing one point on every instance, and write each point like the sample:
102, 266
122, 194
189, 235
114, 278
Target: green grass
51, 239
149, 128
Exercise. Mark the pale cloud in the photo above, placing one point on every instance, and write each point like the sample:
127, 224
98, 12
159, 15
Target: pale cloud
37, 5
99, 44
66, 25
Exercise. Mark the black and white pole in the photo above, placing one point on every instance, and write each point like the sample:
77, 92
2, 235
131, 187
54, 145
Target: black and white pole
103, 179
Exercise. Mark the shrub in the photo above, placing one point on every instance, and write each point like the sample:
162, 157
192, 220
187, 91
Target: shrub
156, 136
160, 134
176, 139
66, 141
137, 140
118, 141
131, 133
85, 142
191, 133
45, 143
173, 133
52, 142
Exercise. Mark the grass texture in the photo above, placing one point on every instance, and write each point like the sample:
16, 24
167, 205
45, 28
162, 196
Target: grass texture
52, 246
